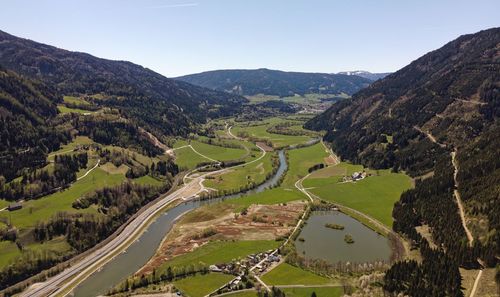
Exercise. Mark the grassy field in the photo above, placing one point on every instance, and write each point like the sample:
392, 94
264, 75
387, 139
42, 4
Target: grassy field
286, 274
75, 100
278, 140
64, 109
187, 158
201, 285
44, 208
374, 195
67, 148
255, 172
320, 292
251, 293
300, 160
3, 203
148, 180
221, 252
9, 252
272, 196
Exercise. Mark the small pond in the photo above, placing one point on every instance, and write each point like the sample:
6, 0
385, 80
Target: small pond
316, 241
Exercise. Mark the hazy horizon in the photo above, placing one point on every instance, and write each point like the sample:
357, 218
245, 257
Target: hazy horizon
183, 37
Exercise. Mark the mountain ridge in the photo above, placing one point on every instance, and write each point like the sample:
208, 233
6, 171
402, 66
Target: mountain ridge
436, 119
275, 82
141, 93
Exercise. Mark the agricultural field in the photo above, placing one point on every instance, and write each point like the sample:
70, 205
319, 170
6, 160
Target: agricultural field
259, 131
286, 274
242, 175
246, 293
300, 160
187, 158
375, 195
202, 284
218, 252
320, 292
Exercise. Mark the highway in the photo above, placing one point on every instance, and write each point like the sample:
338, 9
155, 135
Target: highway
70, 277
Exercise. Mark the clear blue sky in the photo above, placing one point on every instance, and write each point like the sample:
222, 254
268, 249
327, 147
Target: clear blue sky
176, 37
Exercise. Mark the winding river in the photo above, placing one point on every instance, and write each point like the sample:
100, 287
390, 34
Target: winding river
139, 252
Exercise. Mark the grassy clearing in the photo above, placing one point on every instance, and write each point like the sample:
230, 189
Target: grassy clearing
9, 252
255, 172
374, 195
250, 293
320, 292
273, 196
64, 109
201, 285
58, 245
75, 100
278, 140
217, 152
4, 203
219, 252
337, 171
286, 274
148, 180
44, 208
67, 148
300, 160
187, 159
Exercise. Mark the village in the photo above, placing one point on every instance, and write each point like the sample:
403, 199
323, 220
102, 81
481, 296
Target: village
253, 265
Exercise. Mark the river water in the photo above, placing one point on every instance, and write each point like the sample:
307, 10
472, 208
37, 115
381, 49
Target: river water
328, 244
139, 252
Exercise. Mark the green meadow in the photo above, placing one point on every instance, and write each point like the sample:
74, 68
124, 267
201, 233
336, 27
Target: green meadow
278, 140
319, 291
286, 274
300, 160
44, 208
242, 175
202, 284
217, 252
64, 109
374, 195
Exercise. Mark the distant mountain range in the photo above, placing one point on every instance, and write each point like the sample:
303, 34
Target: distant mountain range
276, 83
366, 74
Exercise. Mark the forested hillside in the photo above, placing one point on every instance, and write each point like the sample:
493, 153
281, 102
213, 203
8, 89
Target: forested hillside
26, 108
276, 83
417, 119
162, 105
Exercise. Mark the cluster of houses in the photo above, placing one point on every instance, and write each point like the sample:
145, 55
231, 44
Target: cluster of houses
252, 262
257, 263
